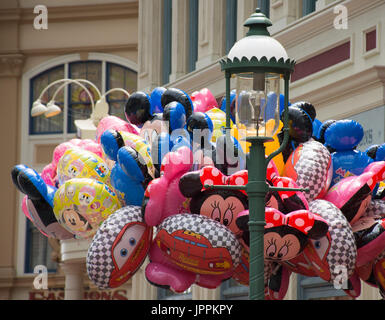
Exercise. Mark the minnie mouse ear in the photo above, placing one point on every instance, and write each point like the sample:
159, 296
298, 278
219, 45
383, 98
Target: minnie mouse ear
138, 108
242, 223
319, 229
190, 184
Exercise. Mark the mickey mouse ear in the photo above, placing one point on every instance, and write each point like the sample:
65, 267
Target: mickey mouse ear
156, 95
175, 114
301, 123
138, 108
307, 107
174, 94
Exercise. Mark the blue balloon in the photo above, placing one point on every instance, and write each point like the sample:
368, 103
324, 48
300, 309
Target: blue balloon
129, 164
155, 99
316, 125
344, 134
232, 104
271, 105
175, 114
35, 184
128, 176
129, 190
282, 103
110, 144
347, 163
166, 143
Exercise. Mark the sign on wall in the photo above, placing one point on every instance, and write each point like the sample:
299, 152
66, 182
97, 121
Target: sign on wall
373, 122
89, 294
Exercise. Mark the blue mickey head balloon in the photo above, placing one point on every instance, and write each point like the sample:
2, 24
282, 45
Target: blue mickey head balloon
343, 136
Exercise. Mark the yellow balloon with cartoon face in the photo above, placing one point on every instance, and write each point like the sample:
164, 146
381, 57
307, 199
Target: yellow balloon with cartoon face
78, 163
81, 205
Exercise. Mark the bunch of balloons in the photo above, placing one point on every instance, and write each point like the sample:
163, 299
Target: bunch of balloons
139, 190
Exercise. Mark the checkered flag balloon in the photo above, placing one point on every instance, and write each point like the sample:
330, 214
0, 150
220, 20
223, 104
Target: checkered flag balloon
343, 251
310, 166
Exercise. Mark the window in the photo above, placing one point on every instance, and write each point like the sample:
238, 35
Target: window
167, 29
264, 5
231, 23
232, 290
78, 101
41, 125
308, 6
118, 77
76, 104
165, 294
193, 34
314, 288
38, 250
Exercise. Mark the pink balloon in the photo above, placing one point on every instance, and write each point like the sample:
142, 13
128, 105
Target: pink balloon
164, 196
203, 100
113, 122
358, 188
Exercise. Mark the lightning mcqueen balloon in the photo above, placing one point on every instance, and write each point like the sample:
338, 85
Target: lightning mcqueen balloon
188, 245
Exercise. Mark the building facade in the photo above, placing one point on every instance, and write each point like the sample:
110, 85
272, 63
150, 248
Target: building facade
139, 45
339, 49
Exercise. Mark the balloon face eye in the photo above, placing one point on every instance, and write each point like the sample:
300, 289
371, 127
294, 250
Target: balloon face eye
123, 252
132, 241
127, 244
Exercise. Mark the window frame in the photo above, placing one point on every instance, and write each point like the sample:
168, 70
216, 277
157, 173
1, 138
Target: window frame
167, 41
231, 24
193, 17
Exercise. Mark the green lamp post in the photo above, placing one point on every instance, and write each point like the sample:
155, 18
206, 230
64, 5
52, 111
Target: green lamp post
260, 65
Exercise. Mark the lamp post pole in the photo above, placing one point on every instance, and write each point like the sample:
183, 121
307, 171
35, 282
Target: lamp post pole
259, 54
256, 189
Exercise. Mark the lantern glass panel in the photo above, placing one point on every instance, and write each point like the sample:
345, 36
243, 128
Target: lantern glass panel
257, 110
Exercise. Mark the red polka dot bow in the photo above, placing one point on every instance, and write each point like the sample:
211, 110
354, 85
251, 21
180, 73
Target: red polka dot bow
212, 176
302, 220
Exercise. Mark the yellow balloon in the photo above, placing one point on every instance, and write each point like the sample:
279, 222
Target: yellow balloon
81, 205
240, 134
218, 117
272, 146
78, 163
142, 147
